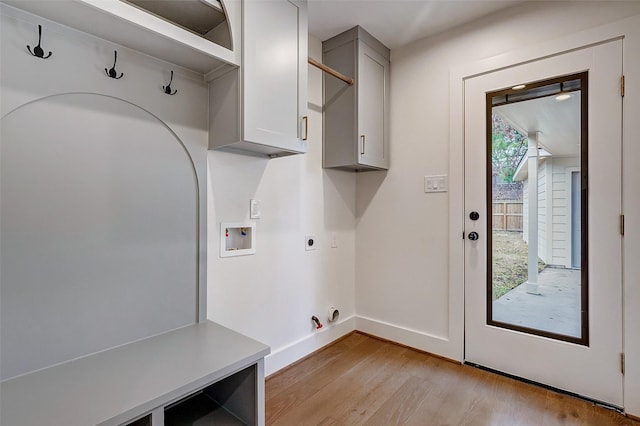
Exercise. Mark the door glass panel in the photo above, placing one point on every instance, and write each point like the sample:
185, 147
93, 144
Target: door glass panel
537, 156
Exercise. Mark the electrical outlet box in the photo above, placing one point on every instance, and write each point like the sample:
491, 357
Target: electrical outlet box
310, 242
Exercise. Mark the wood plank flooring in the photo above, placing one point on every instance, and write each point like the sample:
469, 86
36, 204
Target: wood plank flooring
360, 380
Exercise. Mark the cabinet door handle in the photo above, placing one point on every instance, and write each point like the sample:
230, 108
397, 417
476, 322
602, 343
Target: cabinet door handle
306, 128
362, 140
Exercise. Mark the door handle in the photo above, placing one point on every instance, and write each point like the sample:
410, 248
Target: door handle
473, 236
305, 119
362, 147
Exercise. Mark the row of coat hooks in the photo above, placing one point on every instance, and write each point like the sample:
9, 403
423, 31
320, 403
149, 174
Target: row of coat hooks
112, 73
38, 52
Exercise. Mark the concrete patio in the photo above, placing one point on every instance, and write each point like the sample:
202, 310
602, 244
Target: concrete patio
556, 309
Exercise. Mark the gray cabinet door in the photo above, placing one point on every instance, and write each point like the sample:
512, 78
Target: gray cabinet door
373, 75
356, 118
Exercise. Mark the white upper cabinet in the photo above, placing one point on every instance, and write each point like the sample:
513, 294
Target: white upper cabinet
261, 107
171, 30
356, 118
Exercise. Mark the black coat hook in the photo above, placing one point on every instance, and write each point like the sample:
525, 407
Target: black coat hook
167, 88
37, 51
112, 72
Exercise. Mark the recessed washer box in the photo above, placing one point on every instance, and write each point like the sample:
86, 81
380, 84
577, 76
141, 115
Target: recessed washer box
237, 238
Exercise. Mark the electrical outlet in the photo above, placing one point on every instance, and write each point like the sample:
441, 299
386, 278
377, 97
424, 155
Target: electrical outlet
310, 242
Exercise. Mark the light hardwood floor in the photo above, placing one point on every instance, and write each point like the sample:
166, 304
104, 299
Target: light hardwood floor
362, 380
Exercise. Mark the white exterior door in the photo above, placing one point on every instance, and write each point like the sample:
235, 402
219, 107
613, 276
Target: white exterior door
589, 368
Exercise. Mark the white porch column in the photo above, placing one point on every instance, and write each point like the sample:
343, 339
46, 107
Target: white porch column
532, 228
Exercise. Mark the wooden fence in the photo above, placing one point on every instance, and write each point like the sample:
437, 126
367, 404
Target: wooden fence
507, 216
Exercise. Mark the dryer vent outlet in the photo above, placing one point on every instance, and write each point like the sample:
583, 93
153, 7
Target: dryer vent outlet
334, 314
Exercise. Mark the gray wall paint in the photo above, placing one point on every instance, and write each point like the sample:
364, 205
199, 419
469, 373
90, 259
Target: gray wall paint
99, 231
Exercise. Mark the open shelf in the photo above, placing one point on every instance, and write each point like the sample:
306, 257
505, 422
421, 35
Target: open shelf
143, 421
135, 28
230, 401
199, 409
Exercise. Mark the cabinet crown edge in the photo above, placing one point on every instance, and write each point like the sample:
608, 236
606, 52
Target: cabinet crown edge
356, 33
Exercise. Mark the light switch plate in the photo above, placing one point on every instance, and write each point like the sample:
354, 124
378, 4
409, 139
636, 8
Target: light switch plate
436, 183
254, 209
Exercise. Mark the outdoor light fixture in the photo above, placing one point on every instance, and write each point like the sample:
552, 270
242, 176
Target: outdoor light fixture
562, 96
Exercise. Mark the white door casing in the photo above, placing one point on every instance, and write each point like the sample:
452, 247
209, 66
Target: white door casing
593, 370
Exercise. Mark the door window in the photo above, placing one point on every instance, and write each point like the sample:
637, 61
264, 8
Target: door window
536, 205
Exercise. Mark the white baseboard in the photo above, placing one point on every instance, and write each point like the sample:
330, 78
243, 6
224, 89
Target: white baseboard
415, 339
297, 350
291, 353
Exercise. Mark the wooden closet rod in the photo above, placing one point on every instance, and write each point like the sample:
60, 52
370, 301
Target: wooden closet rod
331, 71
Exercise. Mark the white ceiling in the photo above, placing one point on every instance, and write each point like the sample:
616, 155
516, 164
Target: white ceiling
397, 22
557, 121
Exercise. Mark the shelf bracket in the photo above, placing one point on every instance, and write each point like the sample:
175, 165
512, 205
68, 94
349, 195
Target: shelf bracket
331, 71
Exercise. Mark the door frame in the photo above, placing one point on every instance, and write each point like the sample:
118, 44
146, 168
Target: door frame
623, 29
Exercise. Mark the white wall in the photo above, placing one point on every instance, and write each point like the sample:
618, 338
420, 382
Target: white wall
272, 294
544, 181
543, 212
525, 210
404, 290
561, 210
